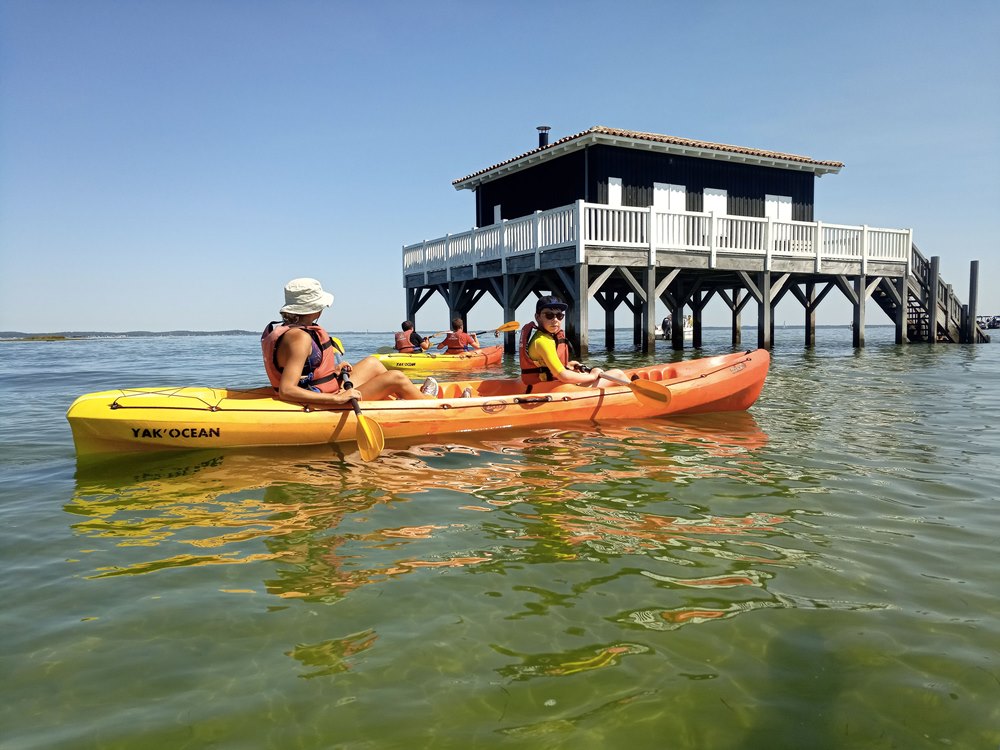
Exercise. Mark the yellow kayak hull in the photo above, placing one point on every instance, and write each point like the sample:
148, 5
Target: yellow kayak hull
197, 417
422, 362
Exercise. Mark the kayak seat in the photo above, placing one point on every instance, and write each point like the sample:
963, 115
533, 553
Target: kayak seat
450, 390
661, 373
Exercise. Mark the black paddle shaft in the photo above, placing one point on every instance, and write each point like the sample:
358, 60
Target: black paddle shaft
346, 384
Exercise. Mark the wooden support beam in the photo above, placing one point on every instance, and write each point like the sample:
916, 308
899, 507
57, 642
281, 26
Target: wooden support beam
609, 325
666, 281
844, 285
778, 285
697, 307
764, 310
579, 312
571, 283
631, 281
454, 299
496, 289
932, 311
509, 313
808, 299
751, 286
858, 324
740, 298
637, 305
518, 288
648, 342
598, 282
971, 331
902, 324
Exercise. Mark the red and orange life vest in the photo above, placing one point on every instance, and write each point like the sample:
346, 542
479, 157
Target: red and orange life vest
403, 343
320, 370
458, 342
531, 372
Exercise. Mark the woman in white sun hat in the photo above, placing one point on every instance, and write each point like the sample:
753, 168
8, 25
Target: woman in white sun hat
305, 365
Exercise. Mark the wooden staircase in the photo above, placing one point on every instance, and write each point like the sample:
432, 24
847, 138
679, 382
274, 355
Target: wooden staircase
926, 293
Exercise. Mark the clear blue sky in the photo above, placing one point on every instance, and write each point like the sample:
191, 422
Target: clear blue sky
170, 164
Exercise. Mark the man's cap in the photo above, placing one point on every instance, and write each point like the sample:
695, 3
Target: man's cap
553, 303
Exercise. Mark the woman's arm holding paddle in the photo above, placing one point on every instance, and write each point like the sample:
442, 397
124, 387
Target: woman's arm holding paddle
294, 350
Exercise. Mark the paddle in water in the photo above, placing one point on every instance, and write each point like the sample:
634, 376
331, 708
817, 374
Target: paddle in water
369, 435
655, 394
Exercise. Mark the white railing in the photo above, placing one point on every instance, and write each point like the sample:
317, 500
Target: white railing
614, 226
654, 230
542, 230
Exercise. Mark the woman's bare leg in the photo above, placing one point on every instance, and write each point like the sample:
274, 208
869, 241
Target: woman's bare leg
376, 382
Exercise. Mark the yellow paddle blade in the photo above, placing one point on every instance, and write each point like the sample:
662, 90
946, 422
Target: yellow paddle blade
654, 394
371, 441
650, 392
512, 325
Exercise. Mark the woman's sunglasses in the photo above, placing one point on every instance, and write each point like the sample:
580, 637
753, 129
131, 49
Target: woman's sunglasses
553, 315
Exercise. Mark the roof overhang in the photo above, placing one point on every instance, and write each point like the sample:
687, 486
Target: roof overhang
648, 142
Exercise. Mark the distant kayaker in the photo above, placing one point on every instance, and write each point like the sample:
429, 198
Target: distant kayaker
304, 364
544, 350
457, 340
409, 341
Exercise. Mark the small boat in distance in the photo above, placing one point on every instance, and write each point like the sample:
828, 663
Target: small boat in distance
664, 333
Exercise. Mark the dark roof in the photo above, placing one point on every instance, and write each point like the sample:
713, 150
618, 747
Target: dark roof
653, 142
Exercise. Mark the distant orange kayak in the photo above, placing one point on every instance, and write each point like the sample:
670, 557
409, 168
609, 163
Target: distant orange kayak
478, 359
192, 418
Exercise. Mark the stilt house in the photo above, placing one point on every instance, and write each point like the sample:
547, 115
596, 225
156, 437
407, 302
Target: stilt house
626, 217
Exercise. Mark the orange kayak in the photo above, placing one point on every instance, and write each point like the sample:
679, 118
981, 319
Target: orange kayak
478, 359
197, 417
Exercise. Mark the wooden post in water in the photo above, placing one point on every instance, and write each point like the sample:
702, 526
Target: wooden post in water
970, 333
861, 296
764, 311
902, 335
810, 298
637, 315
739, 295
581, 279
609, 321
697, 305
649, 312
932, 313
509, 313
677, 329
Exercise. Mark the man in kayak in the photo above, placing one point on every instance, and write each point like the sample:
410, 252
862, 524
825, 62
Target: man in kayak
544, 350
409, 341
457, 340
305, 364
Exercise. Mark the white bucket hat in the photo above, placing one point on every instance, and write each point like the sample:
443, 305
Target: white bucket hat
304, 296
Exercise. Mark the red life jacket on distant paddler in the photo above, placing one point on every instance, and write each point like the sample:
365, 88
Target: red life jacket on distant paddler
319, 372
458, 342
531, 372
403, 343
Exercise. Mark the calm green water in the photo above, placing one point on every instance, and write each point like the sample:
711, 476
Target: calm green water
820, 572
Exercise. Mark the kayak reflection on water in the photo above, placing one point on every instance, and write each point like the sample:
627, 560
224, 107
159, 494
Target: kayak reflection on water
289, 506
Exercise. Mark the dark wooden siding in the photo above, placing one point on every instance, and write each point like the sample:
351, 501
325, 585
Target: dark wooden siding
584, 174
558, 182
747, 184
